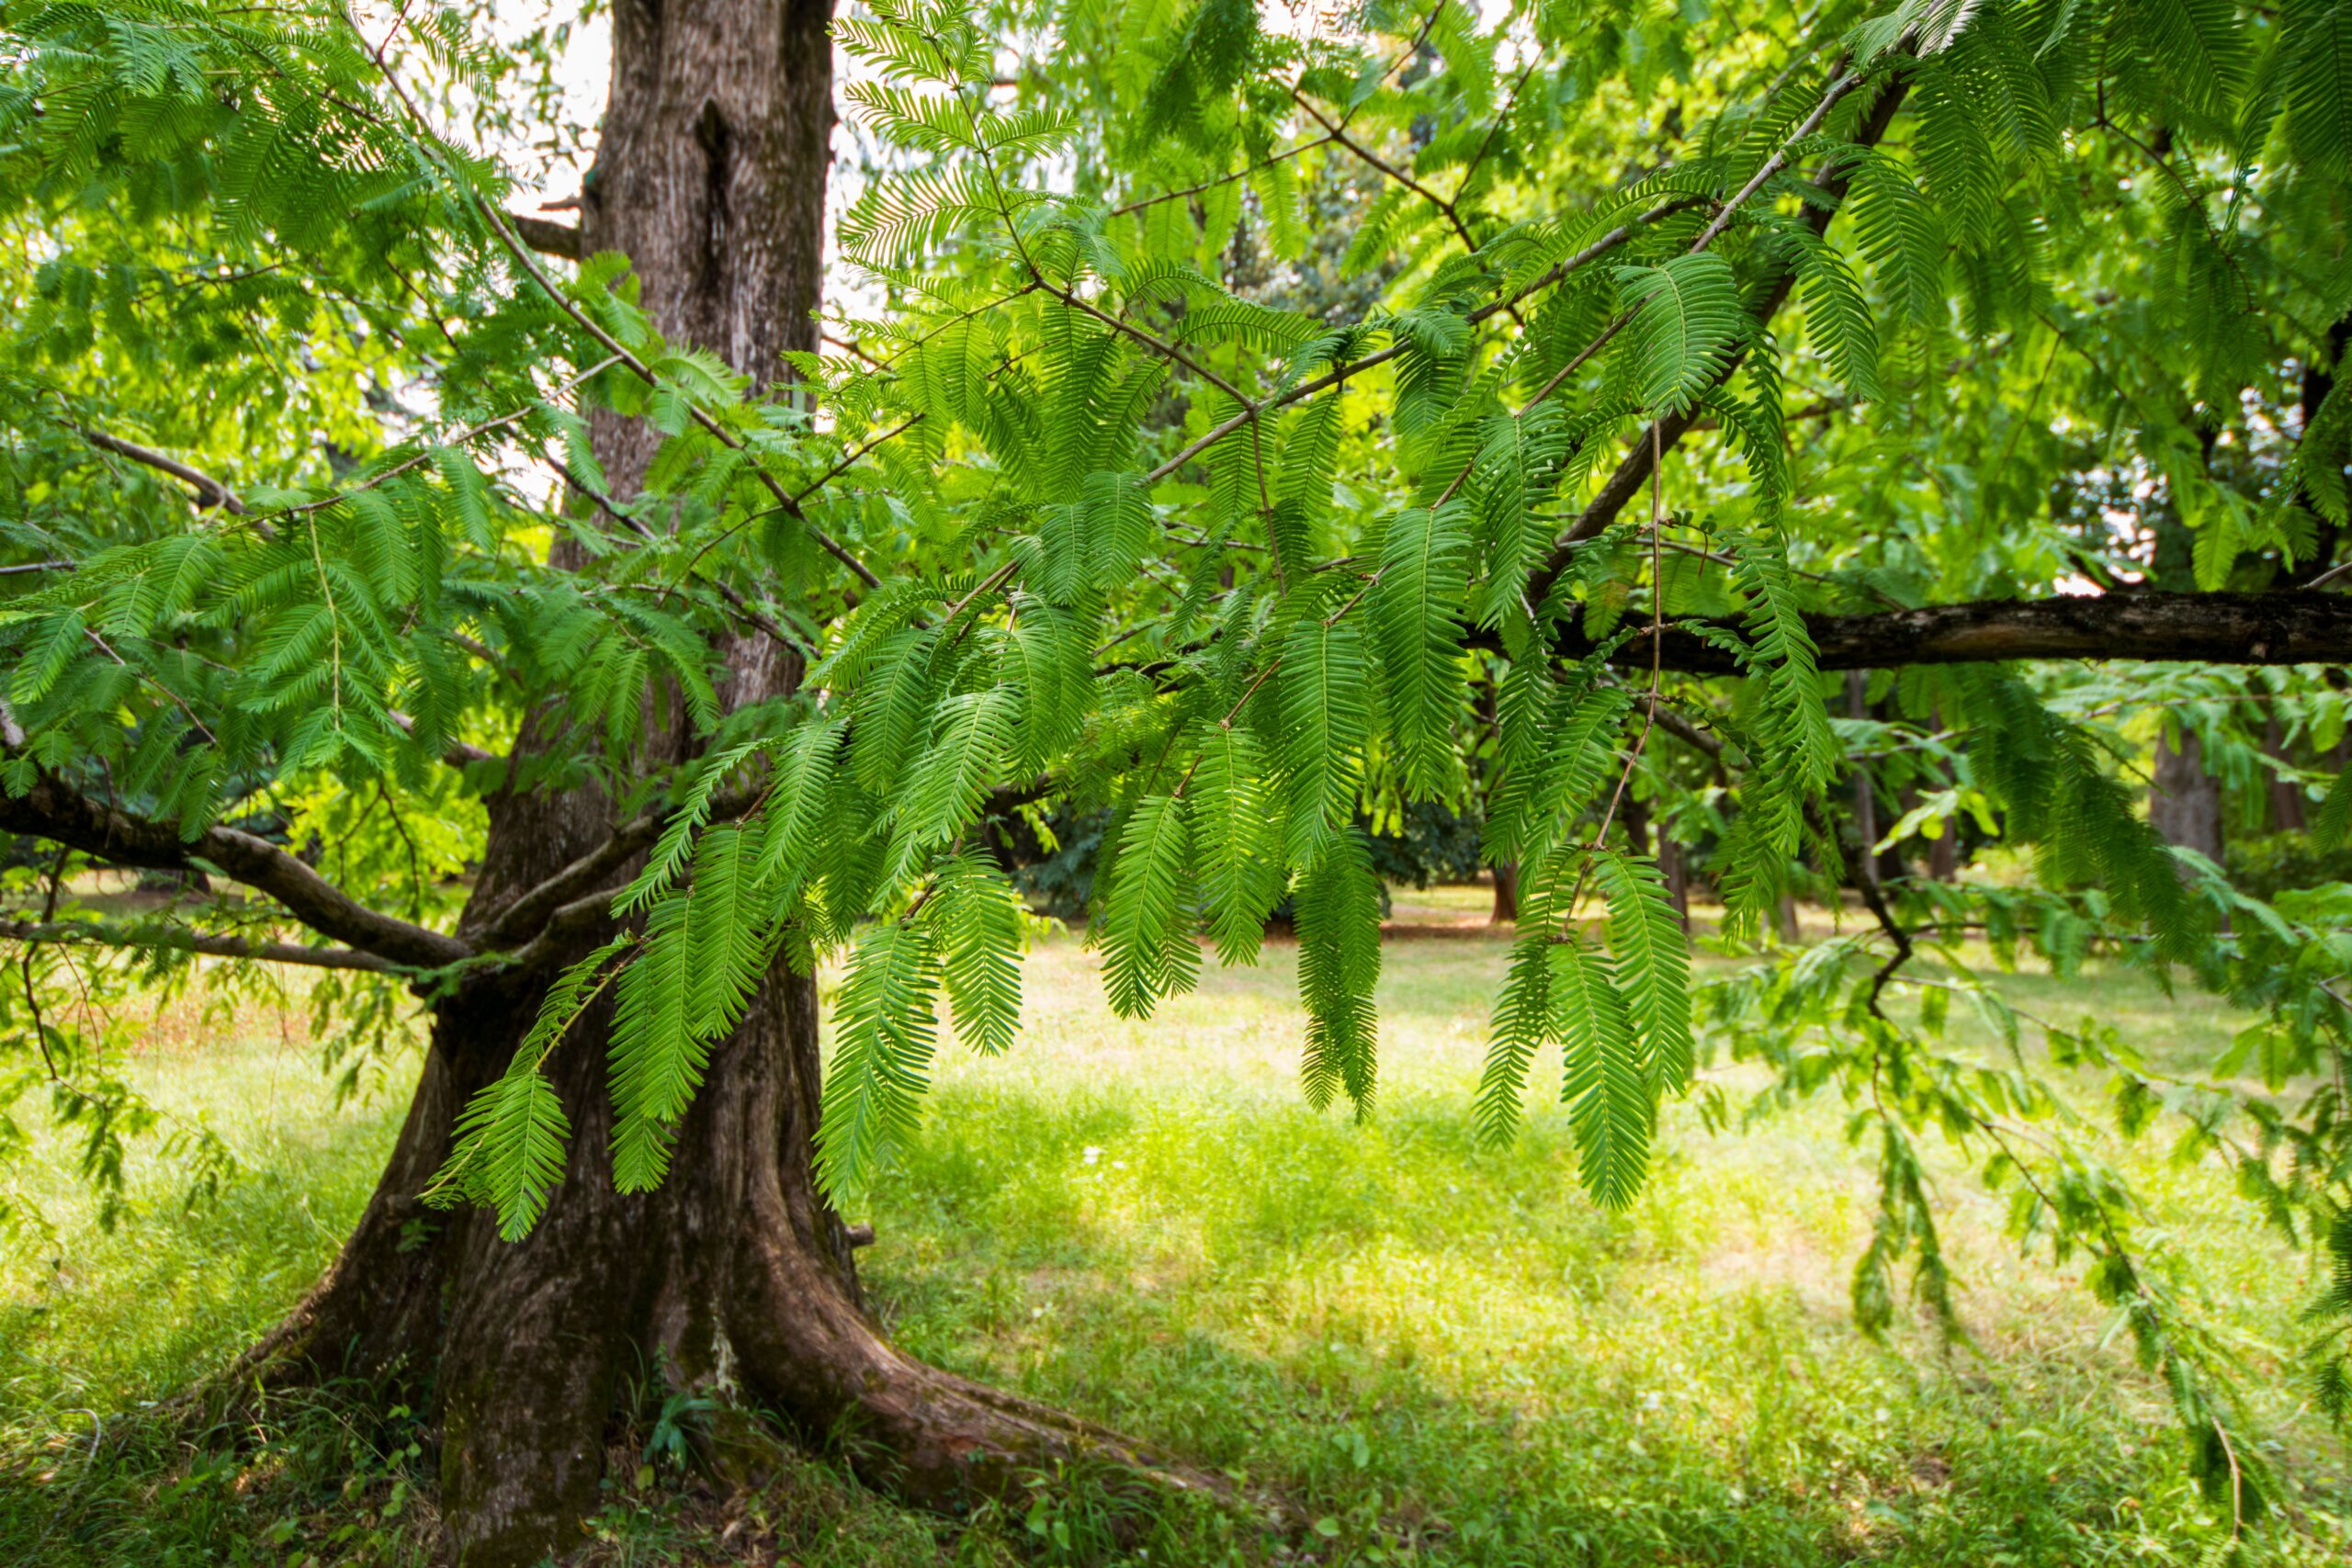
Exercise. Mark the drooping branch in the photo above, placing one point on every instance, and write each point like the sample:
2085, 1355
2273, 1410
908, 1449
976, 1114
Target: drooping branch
2208, 628
55, 811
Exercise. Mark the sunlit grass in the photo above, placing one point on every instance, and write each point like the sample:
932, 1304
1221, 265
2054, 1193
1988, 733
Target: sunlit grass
1446, 1355
1424, 1337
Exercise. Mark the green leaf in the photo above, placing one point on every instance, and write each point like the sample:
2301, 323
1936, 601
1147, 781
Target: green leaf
706, 948
1234, 840
2316, 70
676, 843
730, 946
1415, 608
507, 1147
2332, 821
1339, 966
516, 1130
942, 793
1326, 715
1687, 321
1836, 317
885, 1031
1147, 919
975, 918
794, 820
2196, 46
1607, 1093
1524, 1023
1653, 966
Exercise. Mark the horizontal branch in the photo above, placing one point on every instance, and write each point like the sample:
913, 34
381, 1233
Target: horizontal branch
2207, 628
455, 754
210, 492
210, 943
547, 236
56, 812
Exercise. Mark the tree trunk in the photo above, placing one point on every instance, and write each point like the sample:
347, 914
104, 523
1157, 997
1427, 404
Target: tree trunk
2185, 802
1866, 858
1505, 893
736, 1273
2286, 795
1784, 920
1676, 872
1637, 823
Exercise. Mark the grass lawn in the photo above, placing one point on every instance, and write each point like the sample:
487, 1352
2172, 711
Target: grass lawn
1447, 1355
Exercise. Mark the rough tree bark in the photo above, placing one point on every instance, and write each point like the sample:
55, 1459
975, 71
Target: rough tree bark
711, 177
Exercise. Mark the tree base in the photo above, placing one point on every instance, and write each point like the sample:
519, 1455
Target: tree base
733, 1281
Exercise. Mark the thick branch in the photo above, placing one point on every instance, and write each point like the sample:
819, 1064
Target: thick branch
61, 814
456, 753
547, 236
210, 492
2210, 628
524, 918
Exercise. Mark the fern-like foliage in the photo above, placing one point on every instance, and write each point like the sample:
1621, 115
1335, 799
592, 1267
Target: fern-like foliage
1415, 609
1338, 964
1653, 968
885, 1035
704, 952
1790, 724
1605, 1088
1147, 919
1326, 718
1686, 322
1235, 841
507, 1151
977, 917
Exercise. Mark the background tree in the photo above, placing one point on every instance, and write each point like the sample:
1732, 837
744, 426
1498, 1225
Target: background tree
1693, 365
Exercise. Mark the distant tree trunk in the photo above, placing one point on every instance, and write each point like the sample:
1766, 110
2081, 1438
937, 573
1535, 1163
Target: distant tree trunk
1943, 851
1865, 798
2286, 795
1637, 823
1677, 875
1784, 916
2319, 380
1943, 854
1506, 893
2185, 802
736, 1273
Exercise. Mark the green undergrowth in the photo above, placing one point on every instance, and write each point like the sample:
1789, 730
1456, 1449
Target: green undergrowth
1444, 1354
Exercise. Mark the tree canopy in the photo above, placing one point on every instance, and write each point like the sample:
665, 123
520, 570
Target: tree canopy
1253, 427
